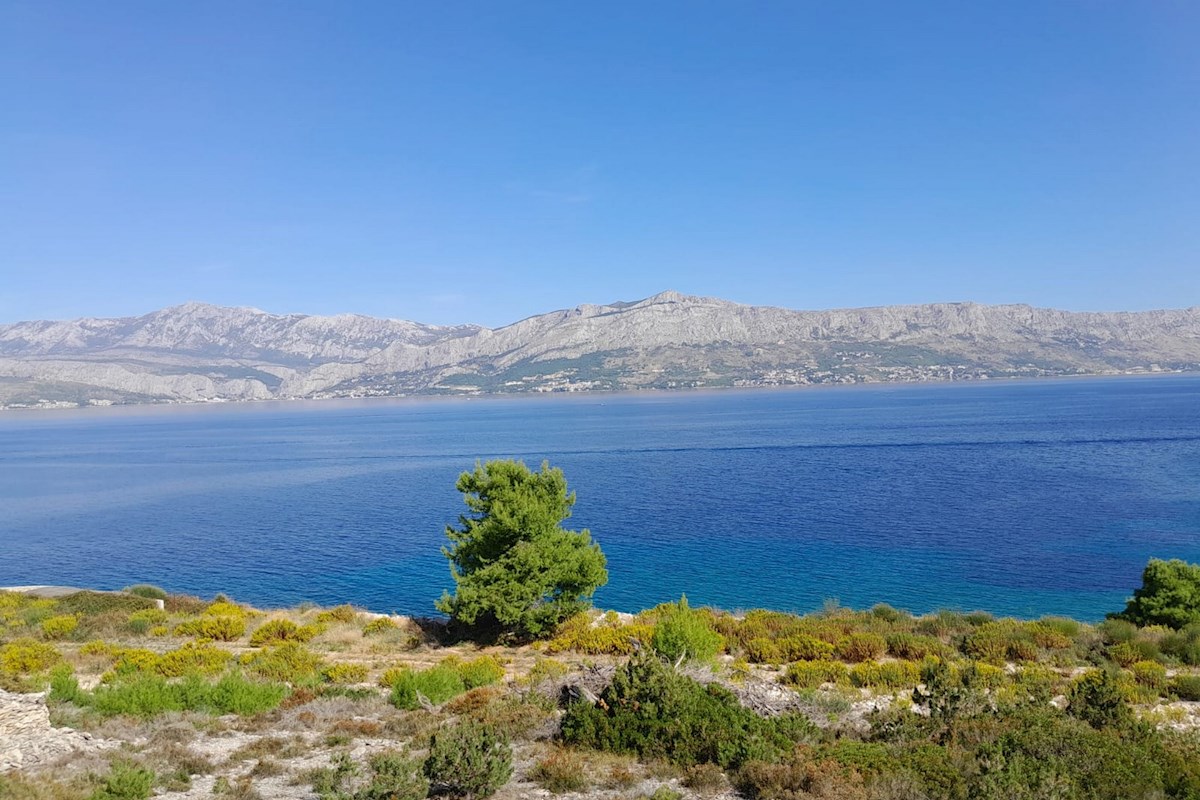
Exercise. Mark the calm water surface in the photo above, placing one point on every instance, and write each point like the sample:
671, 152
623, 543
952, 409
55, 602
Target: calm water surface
1021, 498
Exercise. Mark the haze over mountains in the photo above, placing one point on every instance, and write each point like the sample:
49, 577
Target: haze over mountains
197, 352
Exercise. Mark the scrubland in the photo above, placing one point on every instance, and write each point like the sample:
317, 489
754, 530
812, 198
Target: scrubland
214, 699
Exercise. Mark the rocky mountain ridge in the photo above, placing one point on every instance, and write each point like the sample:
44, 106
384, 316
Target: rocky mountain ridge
197, 352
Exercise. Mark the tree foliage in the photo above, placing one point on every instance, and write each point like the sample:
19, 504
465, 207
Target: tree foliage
515, 569
1169, 595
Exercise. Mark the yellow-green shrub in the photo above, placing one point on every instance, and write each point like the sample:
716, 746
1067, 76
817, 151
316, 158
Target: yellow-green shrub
204, 658
160, 630
221, 628
1150, 674
379, 625
1125, 654
811, 674
913, 647
225, 608
861, 647
289, 662
27, 656
343, 613
482, 671
144, 620
60, 627
885, 675
608, 637
100, 649
1048, 637
345, 673
282, 630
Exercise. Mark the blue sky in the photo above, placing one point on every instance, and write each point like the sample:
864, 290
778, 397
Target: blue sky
484, 161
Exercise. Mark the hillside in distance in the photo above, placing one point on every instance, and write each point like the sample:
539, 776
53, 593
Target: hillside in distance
197, 352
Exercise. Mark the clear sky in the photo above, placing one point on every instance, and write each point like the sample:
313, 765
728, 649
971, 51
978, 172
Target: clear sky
484, 161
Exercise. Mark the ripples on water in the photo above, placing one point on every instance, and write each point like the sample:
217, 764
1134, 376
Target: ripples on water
1021, 498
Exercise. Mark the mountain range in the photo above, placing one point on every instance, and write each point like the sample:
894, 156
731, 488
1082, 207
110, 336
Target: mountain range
197, 352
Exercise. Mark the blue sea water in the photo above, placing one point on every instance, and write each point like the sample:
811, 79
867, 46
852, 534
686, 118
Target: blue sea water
1020, 498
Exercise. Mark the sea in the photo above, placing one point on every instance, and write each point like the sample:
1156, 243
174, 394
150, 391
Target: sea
1019, 498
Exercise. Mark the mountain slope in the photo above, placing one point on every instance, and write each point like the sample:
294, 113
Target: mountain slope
201, 352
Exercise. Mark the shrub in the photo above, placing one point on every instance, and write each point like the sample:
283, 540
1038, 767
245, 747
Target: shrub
811, 674
1186, 687
100, 649
802, 647
60, 627
1048, 636
142, 621
1150, 674
800, 777
1096, 698
1126, 654
27, 656
125, 781
1115, 631
342, 613
561, 771
861, 647
151, 695
913, 647
482, 671
468, 760
684, 633
345, 673
607, 637
147, 590
379, 625
1169, 595
64, 688
394, 776
437, 684
289, 662
203, 658
223, 628
653, 712
705, 779
277, 631
885, 675
89, 603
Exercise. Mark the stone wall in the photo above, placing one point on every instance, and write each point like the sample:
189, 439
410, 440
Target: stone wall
27, 739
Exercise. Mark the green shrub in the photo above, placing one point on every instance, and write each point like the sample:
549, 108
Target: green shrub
684, 633
885, 675
150, 695
277, 631
221, 628
811, 674
345, 673
147, 590
60, 627
88, 603
289, 662
1096, 698
142, 621
64, 688
653, 712
1186, 687
889, 614
861, 647
561, 771
394, 776
437, 684
468, 760
1115, 631
125, 781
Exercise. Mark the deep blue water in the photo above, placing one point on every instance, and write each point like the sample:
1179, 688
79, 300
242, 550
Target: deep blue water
1019, 498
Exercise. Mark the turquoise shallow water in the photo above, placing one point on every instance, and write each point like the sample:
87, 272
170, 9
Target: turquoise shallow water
1020, 498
